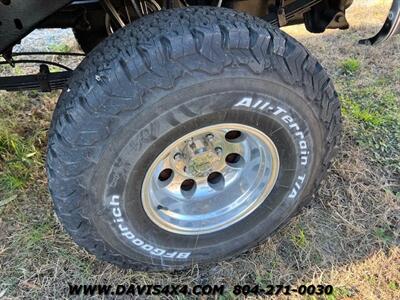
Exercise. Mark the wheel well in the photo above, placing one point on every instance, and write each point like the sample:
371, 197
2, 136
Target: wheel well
19, 17
15, 23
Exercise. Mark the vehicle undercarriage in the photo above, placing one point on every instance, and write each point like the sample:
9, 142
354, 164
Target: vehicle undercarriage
94, 20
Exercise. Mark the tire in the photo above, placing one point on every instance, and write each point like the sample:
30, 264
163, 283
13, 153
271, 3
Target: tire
164, 77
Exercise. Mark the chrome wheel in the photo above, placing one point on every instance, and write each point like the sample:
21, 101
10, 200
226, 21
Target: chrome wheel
210, 179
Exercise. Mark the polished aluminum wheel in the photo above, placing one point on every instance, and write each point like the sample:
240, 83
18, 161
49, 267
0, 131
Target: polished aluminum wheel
210, 179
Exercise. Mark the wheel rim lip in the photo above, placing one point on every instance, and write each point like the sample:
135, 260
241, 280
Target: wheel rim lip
153, 212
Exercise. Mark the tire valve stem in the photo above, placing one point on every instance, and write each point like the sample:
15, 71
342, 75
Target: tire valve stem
160, 207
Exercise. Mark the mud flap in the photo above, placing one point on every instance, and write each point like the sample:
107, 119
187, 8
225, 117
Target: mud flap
389, 29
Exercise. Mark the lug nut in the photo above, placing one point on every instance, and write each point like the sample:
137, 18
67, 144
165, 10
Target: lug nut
192, 144
218, 150
210, 137
178, 156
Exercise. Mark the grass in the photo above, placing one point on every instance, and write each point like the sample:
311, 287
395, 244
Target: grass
374, 116
299, 238
348, 237
21, 147
340, 293
350, 66
60, 47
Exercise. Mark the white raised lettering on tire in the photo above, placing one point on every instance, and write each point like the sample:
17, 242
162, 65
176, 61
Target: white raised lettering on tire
265, 105
126, 233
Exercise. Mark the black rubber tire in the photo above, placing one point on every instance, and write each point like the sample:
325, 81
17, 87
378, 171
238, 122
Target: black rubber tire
160, 78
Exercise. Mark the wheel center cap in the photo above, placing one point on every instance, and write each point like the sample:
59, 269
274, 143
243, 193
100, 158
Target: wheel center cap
202, 164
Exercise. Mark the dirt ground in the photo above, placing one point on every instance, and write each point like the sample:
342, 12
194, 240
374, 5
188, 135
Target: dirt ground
348, 237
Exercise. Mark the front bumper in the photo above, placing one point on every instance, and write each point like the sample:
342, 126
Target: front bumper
389, 29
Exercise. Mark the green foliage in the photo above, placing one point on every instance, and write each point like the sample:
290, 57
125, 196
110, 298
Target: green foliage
53, 69
366, 116
20, 156
393, 285
300, 239
339, 293
384, 234
35, 237
19, 70
227, 296
374, 113
62, 47
350, 66
17, 158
